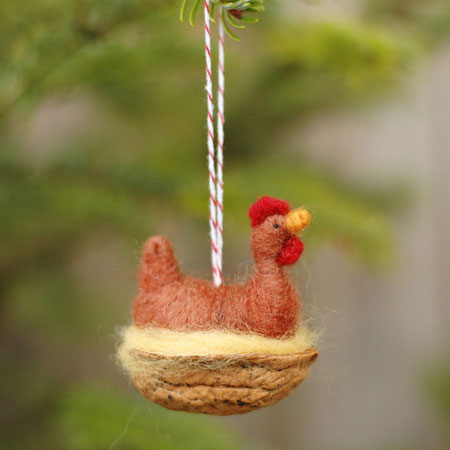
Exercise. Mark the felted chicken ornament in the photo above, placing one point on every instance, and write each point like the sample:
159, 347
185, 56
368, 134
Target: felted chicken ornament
222, 349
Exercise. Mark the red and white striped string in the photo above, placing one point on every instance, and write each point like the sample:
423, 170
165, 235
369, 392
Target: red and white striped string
220, 138
215, 172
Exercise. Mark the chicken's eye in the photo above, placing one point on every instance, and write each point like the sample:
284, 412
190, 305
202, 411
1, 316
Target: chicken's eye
275, 225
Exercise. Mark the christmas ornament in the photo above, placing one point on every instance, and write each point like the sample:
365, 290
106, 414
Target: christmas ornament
209, 347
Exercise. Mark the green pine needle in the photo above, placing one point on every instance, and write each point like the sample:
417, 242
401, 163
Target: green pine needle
183, 10
193, 12
249, 19
226, 17
233, 22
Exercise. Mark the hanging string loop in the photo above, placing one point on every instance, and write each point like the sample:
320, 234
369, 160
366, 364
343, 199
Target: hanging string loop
215, 167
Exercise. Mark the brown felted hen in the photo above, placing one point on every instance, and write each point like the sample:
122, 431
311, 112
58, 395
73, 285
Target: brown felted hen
267, 304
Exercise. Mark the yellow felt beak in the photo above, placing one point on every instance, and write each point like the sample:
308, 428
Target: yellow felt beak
297, 220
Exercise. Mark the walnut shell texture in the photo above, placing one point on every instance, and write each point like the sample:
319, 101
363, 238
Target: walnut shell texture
221, 385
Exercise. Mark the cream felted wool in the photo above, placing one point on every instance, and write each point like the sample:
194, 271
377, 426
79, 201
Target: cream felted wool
213, 342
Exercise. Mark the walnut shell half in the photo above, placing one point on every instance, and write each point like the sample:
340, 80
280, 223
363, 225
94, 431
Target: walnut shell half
221, 385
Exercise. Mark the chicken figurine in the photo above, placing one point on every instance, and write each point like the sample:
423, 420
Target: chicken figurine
228, 349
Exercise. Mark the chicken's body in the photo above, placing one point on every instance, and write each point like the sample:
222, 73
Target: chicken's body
267, 304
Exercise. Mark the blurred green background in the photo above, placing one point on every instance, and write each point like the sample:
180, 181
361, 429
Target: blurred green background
339, 106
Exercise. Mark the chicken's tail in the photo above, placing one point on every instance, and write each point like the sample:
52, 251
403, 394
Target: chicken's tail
159, 266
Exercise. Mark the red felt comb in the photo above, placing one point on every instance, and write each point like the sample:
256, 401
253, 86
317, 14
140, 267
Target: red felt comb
266, 206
